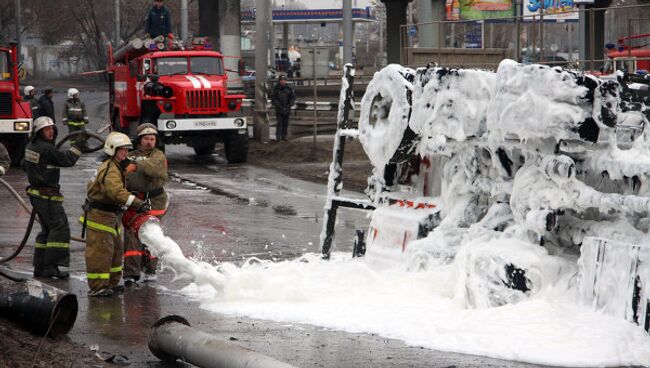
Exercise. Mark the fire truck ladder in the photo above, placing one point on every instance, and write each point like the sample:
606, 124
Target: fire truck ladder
335, 179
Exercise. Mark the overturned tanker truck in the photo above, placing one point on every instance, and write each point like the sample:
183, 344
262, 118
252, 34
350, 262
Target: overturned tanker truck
522, 176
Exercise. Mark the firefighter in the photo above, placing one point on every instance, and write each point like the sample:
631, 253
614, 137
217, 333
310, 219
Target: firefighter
158, 21
107, 195
45, 104
146, 177
75, 117
42, 162
5, 160
30, 95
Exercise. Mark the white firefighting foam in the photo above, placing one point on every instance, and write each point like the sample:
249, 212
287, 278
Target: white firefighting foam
422, 308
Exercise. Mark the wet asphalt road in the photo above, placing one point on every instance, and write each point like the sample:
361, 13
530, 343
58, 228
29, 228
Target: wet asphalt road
218, 212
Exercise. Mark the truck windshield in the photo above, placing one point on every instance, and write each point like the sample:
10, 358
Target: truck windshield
5, 73
171, 65
206, 65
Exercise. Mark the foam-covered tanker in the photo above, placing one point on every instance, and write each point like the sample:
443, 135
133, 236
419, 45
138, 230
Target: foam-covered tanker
516, 178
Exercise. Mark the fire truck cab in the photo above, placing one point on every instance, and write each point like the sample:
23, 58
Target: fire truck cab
181, 90
15, 114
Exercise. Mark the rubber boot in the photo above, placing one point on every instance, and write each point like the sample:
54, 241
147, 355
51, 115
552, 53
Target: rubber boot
38, 272
54, 273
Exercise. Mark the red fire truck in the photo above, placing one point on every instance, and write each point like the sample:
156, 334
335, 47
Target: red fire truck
628, 57
180, 89
15, 114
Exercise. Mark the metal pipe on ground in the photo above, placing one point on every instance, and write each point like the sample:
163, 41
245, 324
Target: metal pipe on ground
39, 307
172, 338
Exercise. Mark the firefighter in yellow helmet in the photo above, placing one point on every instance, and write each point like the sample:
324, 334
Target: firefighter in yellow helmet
146, 178
107, 196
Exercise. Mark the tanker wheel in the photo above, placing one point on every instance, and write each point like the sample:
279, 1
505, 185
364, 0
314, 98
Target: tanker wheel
236, 148
384, 113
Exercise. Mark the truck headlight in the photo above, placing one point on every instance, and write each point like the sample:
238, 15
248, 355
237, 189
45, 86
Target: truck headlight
21, 126
239, 122
171, 124
168, 106
232, 105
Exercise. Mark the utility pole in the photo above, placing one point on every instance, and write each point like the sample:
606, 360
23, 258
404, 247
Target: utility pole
348, 31
19, 26
184, 27
381, 36
261, 117
116, 31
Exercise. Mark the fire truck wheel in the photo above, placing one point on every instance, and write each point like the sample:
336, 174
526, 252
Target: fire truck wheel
204, 149
236, 147
17, 151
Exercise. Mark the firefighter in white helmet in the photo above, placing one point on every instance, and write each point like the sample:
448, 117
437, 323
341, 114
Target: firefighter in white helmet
29, 94
42, 162
146, 178
107, 195
75, 117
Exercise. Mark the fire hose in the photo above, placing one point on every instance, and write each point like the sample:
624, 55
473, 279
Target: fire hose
27, 208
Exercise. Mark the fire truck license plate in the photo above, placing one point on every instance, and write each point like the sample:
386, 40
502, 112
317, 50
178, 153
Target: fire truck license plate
203, 124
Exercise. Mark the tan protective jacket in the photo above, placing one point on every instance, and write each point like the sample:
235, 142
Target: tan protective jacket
108, 186
151, 175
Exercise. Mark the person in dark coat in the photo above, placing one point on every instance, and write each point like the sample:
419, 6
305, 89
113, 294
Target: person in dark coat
159, 21
42, 163
282, 99
45, 104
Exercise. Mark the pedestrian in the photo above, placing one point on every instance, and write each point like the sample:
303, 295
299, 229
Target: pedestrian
30, 96
5, 160
76, 118
42, 163
107, 195
45, 104
158, 21
282, 99
146, 177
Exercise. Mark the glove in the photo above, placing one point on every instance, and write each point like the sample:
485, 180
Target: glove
2, 170
131, 168
144, 207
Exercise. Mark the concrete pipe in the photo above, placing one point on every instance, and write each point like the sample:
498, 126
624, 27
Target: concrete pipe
39, 307
172, 338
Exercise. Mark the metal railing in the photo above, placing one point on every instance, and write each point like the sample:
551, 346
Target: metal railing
514, 32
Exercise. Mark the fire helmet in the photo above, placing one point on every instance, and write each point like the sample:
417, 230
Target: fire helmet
72, 92
42, 122
27, 90
116, 140
146, 129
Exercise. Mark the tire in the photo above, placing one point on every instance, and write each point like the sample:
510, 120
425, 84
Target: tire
236, 147
385, 111
204, 149
17, 151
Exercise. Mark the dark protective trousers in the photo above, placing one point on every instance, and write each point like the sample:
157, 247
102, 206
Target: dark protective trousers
81, 140
103, 249
52, 246
282, 127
